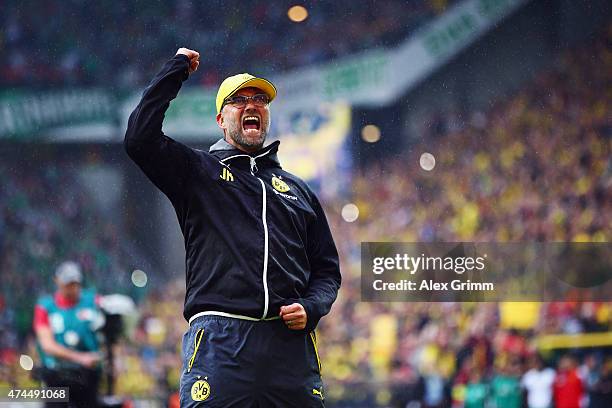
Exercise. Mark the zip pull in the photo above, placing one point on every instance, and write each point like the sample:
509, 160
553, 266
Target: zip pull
253, 165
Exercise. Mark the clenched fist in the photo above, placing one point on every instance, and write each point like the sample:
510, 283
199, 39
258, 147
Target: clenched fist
294, 316
194, 58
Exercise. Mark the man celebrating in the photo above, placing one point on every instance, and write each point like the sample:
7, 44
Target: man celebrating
261, 266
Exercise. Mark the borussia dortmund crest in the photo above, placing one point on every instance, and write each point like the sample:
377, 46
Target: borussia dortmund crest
200, 390
279, 185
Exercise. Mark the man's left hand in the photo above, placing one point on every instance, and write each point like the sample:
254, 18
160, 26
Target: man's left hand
294, 316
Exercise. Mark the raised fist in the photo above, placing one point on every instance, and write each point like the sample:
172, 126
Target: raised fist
194, 58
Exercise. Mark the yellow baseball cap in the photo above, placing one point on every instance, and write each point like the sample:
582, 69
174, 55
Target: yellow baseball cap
233, 84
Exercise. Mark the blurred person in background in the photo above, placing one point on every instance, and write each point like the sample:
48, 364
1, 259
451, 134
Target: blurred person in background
537, 383
600, 394
65, 325
505, 386
568, 388
436, 392
589, 372
476, 390
262, 266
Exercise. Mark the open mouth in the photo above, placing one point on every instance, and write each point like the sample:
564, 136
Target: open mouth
250, 123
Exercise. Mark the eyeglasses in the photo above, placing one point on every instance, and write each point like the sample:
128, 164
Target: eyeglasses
240, 101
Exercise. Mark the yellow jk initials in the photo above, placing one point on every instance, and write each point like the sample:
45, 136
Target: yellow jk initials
226, 175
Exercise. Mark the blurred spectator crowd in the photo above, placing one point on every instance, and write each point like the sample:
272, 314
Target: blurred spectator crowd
48, 215
535, 167
127, 41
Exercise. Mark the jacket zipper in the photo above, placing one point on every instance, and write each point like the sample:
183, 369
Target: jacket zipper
253, 169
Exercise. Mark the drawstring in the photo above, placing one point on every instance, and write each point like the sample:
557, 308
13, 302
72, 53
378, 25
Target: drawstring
252, 161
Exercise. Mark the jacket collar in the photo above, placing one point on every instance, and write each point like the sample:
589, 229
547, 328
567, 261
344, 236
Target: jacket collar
223, 150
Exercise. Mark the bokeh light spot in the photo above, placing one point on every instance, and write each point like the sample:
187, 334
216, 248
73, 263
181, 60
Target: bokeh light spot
350, 212
427, 161
26, 362
370, 133
139, 278
297, 14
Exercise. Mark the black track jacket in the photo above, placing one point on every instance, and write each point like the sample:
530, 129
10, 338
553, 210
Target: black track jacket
256, 237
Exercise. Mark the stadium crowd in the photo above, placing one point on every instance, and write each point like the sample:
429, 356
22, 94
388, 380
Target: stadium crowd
49, 47
46, 216
535, 167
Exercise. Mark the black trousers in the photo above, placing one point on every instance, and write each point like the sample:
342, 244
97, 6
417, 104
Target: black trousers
82, 383
229, 362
